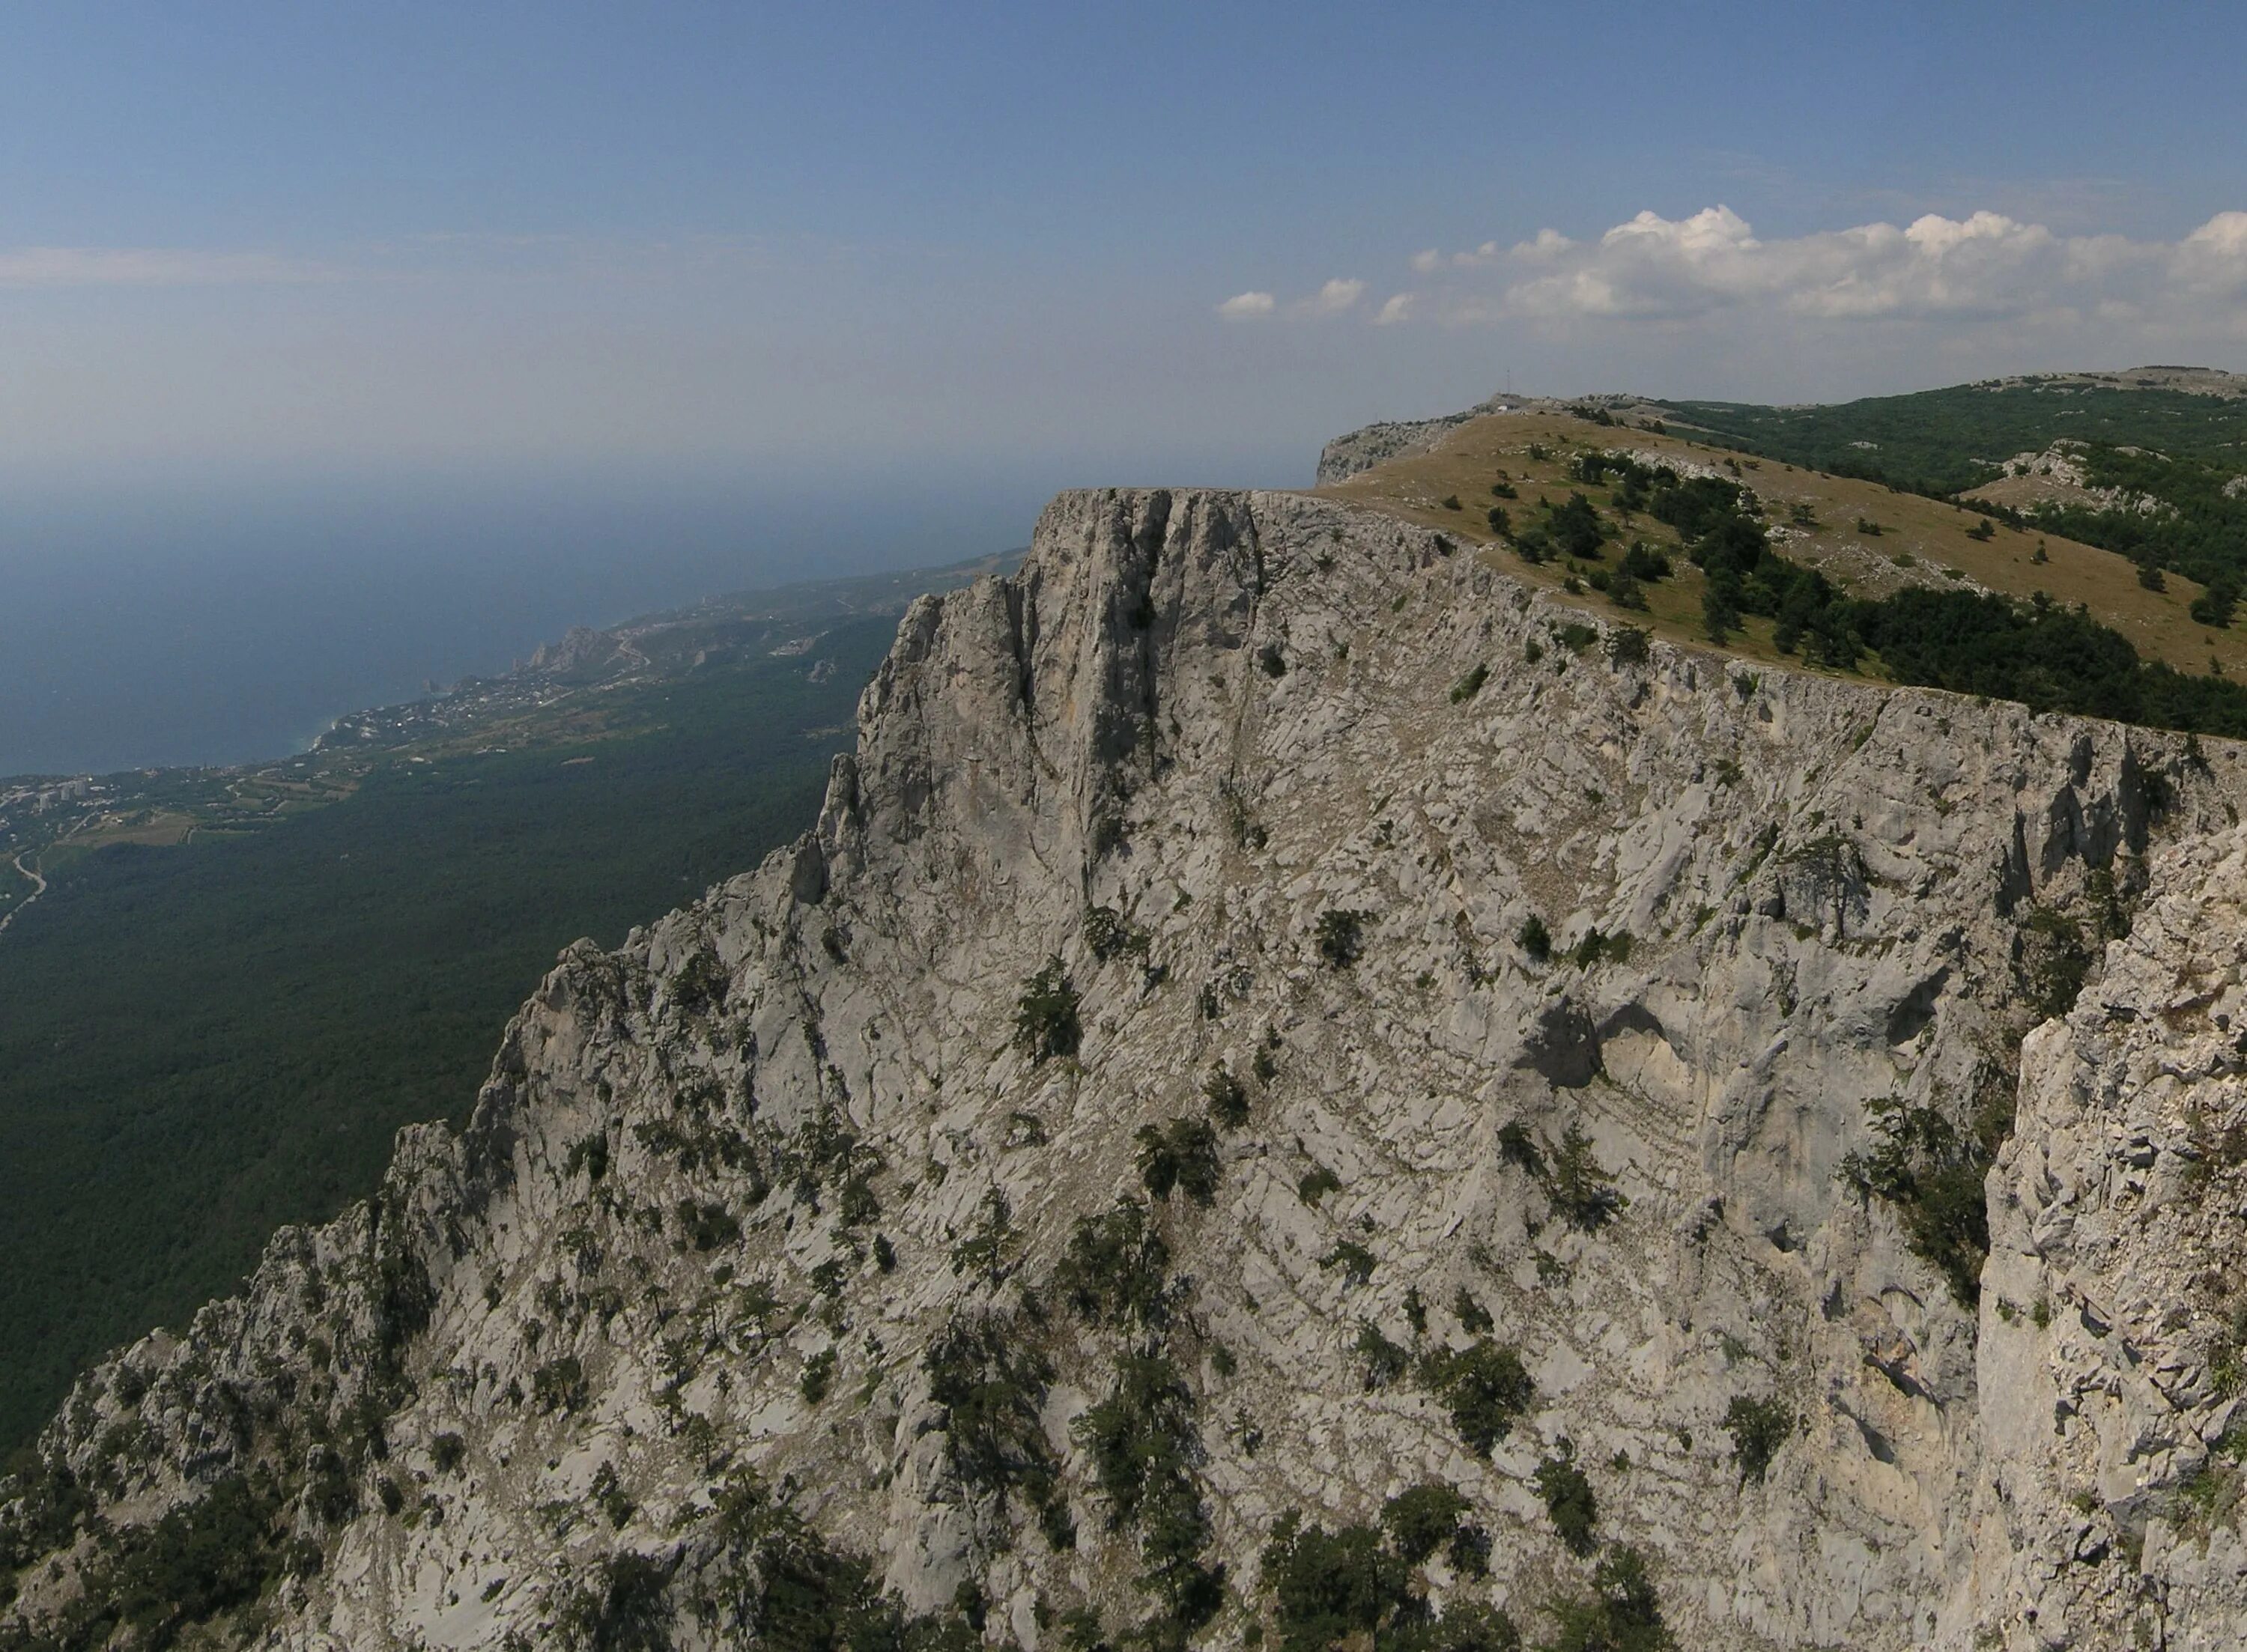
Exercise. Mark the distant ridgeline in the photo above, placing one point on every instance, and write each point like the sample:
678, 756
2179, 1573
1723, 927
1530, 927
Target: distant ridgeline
2160, 467
2044, 655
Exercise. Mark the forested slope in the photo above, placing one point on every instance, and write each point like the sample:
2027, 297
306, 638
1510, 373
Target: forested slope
202, 1044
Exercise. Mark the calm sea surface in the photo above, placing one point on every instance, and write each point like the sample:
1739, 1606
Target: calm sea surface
179, 623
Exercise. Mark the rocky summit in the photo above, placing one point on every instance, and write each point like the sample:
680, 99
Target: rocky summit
1300, 1092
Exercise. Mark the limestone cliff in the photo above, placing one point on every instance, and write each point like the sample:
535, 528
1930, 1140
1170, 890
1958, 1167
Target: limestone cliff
1273, 1016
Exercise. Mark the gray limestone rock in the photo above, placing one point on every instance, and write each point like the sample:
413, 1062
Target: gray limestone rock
1190, 788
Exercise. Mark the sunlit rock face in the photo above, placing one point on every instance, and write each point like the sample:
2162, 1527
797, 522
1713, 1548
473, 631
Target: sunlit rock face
1414, 986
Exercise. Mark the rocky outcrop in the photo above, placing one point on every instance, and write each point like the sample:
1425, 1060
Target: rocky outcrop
582, 653
1377, 444
2114, 1333
1274, 1014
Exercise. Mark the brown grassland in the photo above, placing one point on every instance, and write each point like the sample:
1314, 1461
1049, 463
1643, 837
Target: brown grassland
1921, 541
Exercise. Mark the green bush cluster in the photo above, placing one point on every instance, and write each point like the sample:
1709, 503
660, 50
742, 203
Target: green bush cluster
1315, 1183
1046, 1021
1758, 1428
825, 1151
706, 1225
2055, 959
1385, 1362
990, 1377
1485, 1388
1180, 1156
1517, 1145
1534, 939
1573, 1178
1355, 1262
559, 1385
1109, 934
779, 1584
1227, 1097
1144, 1447
1596, 948
588, 1153
1360, 1586
1627, 644
1568, 1499
819, 1376
701, 983
1114, 1270
988, 1250
1932, 1173
1621, 1613
1474, 1318
1578, 1184
622, 1606
1340, 936
1572, 528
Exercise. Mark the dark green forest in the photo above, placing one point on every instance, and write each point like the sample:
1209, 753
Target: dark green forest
2200, 533
2178, 449
1930, 441
2041, 653
202, 1044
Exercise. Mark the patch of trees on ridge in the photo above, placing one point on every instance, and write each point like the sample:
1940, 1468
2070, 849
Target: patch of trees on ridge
2041, 653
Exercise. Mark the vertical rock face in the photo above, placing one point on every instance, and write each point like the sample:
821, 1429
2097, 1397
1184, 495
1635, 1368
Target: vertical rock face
1262, 974
2114, 1330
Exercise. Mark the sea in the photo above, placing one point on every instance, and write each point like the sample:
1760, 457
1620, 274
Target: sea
149, 622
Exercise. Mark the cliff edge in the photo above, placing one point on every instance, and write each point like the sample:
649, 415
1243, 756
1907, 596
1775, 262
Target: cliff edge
1288, 1058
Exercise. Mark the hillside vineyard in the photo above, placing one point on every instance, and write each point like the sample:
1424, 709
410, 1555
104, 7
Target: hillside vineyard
1295, 1089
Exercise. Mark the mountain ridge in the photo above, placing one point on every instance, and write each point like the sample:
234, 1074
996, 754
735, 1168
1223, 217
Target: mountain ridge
1361, 449
1189, 872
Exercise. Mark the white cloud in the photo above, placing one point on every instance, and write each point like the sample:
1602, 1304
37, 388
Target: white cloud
1550, 244
1399, 308
1333, 298
2212, 259
1984, 266
149, 267
1489, 252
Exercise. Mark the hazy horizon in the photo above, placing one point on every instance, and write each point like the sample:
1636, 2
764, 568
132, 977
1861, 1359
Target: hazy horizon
185, 616
213, 621
298, 305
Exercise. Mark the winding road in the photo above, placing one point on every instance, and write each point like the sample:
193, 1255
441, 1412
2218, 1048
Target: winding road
39, 888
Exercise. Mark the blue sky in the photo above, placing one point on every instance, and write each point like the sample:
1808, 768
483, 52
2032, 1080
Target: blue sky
995, 245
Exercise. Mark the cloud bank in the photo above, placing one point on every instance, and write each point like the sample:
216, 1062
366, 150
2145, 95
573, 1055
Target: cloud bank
1985, 267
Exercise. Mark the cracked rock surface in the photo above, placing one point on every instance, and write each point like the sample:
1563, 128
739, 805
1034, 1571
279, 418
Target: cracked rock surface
1265, 783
